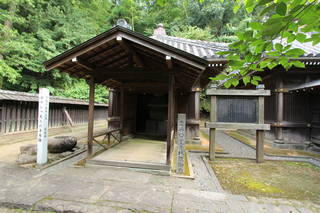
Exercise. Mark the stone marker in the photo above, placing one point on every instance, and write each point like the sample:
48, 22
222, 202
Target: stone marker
181, 130
43, 117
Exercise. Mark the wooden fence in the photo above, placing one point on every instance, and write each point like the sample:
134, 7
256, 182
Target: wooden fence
16, 116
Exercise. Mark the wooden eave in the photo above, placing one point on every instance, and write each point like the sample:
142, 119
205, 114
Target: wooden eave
121, 58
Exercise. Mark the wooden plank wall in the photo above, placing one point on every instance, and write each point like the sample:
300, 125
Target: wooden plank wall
17, 116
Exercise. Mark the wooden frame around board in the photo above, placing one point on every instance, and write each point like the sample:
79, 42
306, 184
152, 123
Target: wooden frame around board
259, 126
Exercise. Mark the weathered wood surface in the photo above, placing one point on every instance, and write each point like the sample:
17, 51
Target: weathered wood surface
16, 116
91, 115
225, 125
260, 146
212, 135
238, 92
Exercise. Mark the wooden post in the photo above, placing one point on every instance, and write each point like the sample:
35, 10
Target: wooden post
91, 115
170, 116
197, 91
259, 146
260, 133
279, 101
121, 113
212, 135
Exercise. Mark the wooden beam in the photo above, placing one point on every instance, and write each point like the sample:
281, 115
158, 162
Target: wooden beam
227, 125
238, 92
129, 50
148, 45
260, 146
121, 113
279, 110
170, 117
69, 119
83, 64
91, 115
169, 62
212, 135
78, 53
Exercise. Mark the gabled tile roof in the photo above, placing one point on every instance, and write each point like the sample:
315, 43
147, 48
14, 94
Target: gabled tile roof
208, 50
203, 49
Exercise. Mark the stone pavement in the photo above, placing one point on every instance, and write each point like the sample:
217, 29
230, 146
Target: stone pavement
110, 189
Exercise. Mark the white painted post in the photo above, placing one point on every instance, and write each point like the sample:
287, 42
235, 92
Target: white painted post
181, 129
43, 117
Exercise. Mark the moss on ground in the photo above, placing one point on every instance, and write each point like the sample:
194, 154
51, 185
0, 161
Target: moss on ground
280, 179
268, 148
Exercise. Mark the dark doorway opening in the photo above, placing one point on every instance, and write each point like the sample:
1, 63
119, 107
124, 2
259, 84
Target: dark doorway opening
152, 115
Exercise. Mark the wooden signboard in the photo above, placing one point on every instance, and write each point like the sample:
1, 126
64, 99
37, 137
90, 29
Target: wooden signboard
181, 136
238, 109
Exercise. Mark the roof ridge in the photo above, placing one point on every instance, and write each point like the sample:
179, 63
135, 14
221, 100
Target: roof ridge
193, 40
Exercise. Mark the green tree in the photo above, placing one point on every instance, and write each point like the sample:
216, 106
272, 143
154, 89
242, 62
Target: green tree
267, 43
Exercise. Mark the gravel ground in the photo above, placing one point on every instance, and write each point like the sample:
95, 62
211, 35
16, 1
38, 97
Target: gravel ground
236, 148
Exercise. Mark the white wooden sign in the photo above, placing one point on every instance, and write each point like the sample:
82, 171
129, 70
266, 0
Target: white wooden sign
43, 117
181, 127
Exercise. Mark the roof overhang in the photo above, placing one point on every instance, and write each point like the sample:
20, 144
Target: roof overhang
120, 57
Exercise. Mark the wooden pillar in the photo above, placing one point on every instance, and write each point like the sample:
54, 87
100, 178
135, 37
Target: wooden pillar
110, 103
197, 91
212, 135
260, 146
260, 133
170, 117
91, 115
279, 101
121, 113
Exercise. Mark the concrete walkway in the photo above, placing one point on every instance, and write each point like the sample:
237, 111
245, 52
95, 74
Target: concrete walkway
110, 189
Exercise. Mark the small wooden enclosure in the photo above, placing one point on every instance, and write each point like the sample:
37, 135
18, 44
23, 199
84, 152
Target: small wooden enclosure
293, 109
19, 111
150, 82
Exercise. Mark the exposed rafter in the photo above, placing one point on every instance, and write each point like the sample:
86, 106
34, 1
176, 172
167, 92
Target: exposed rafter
129, 50
169, 62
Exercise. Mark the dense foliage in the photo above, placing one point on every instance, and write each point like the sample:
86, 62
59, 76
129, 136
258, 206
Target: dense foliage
268, 42
33, 31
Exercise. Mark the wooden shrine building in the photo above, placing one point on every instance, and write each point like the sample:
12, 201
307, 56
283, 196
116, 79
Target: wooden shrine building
150, 79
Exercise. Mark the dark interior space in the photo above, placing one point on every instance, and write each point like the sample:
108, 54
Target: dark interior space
152, 113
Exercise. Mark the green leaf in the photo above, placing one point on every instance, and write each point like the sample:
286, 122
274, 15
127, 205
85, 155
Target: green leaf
246, 79
298, 64
256, 26
227, 84
219, 77
281, 8
295, 52
301, 37
257, 78
263, 2
236, 7
224, 52
278, 47
254, 82
235, 82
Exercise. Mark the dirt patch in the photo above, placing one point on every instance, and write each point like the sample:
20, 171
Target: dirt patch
268, 148
280, 179
10, 151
